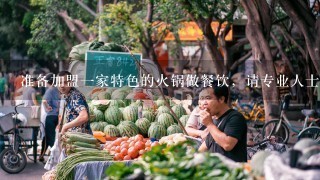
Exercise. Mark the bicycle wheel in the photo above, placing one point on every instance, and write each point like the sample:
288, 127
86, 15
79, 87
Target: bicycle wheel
11, 162
310, 132
280, 133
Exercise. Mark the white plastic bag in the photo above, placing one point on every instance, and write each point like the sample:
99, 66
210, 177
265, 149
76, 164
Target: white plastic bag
55, 154
43, 120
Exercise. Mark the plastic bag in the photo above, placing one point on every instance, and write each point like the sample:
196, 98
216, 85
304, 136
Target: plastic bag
55, 154
276, 169
43, 120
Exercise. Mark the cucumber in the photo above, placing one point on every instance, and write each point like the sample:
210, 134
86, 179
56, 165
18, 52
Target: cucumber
86, 145
77, 138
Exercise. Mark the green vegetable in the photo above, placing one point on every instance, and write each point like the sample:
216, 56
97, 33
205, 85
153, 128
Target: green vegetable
177, 162
65, 168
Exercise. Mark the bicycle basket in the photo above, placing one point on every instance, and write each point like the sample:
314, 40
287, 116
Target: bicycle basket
6, 123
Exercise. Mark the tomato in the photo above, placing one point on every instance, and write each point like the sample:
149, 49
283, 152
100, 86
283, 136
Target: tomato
112, 152
139, 145
147, 149
118, 149
113, 148
141, 152
124, 151
148, 143
127, 157
125, 145
117, 142
155, 143
118, 157
138, 137
133, 152
123, 142
125, 138
131, 144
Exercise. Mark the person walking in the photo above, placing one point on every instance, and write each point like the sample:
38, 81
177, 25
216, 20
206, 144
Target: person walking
51, 102
3, 88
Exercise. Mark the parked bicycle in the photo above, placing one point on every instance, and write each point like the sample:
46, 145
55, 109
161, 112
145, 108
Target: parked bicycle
279, 128
12, 159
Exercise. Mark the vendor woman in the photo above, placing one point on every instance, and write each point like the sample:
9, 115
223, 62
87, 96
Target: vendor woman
228, 134
77, 110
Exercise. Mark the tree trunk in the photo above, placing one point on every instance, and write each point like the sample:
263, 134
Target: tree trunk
257, 31
308, 25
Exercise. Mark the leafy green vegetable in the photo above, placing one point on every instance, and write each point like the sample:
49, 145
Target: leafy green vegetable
177, 162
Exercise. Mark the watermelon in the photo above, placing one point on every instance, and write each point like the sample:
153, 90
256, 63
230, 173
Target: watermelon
173, 129
104, 95
95, 126
157, 131
130, 113
153, 124
102, 105
160, 102
98, 115
102, 125
179, 110
113, 115
184, 119
148, 115
128, 128
111, 130
119, 94
166, 120
163, 109
143, 124
117, 103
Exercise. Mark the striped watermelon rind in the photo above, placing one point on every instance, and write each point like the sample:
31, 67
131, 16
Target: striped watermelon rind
173, 129
130, 113
143, 124
179, 110
111, 130
148, 115
166, 120
184, 119
113, 115
128, 128
157, 131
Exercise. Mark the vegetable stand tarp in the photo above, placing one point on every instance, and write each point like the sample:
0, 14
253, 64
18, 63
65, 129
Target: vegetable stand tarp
93, 170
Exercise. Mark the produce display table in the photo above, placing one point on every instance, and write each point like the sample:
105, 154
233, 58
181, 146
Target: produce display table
94, 169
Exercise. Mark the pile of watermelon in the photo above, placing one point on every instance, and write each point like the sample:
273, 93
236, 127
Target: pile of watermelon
117, 117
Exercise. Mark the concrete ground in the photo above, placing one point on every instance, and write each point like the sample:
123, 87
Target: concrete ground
33, 171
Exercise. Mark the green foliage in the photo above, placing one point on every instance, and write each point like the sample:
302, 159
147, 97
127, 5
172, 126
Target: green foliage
50, 32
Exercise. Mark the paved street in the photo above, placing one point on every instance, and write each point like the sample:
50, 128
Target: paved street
33, 171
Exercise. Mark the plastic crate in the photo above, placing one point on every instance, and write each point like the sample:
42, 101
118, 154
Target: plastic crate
6, 123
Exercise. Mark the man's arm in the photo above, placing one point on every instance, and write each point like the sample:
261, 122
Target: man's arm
193, 132
203, 147
226, 142
81, 119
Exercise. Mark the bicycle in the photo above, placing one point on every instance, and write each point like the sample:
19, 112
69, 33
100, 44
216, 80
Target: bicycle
279, 128
12, 159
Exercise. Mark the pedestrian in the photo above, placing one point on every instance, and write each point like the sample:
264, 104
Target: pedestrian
77, 110
193, 126
228, 133
29, 94
51, 102
3, 88
18, 88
